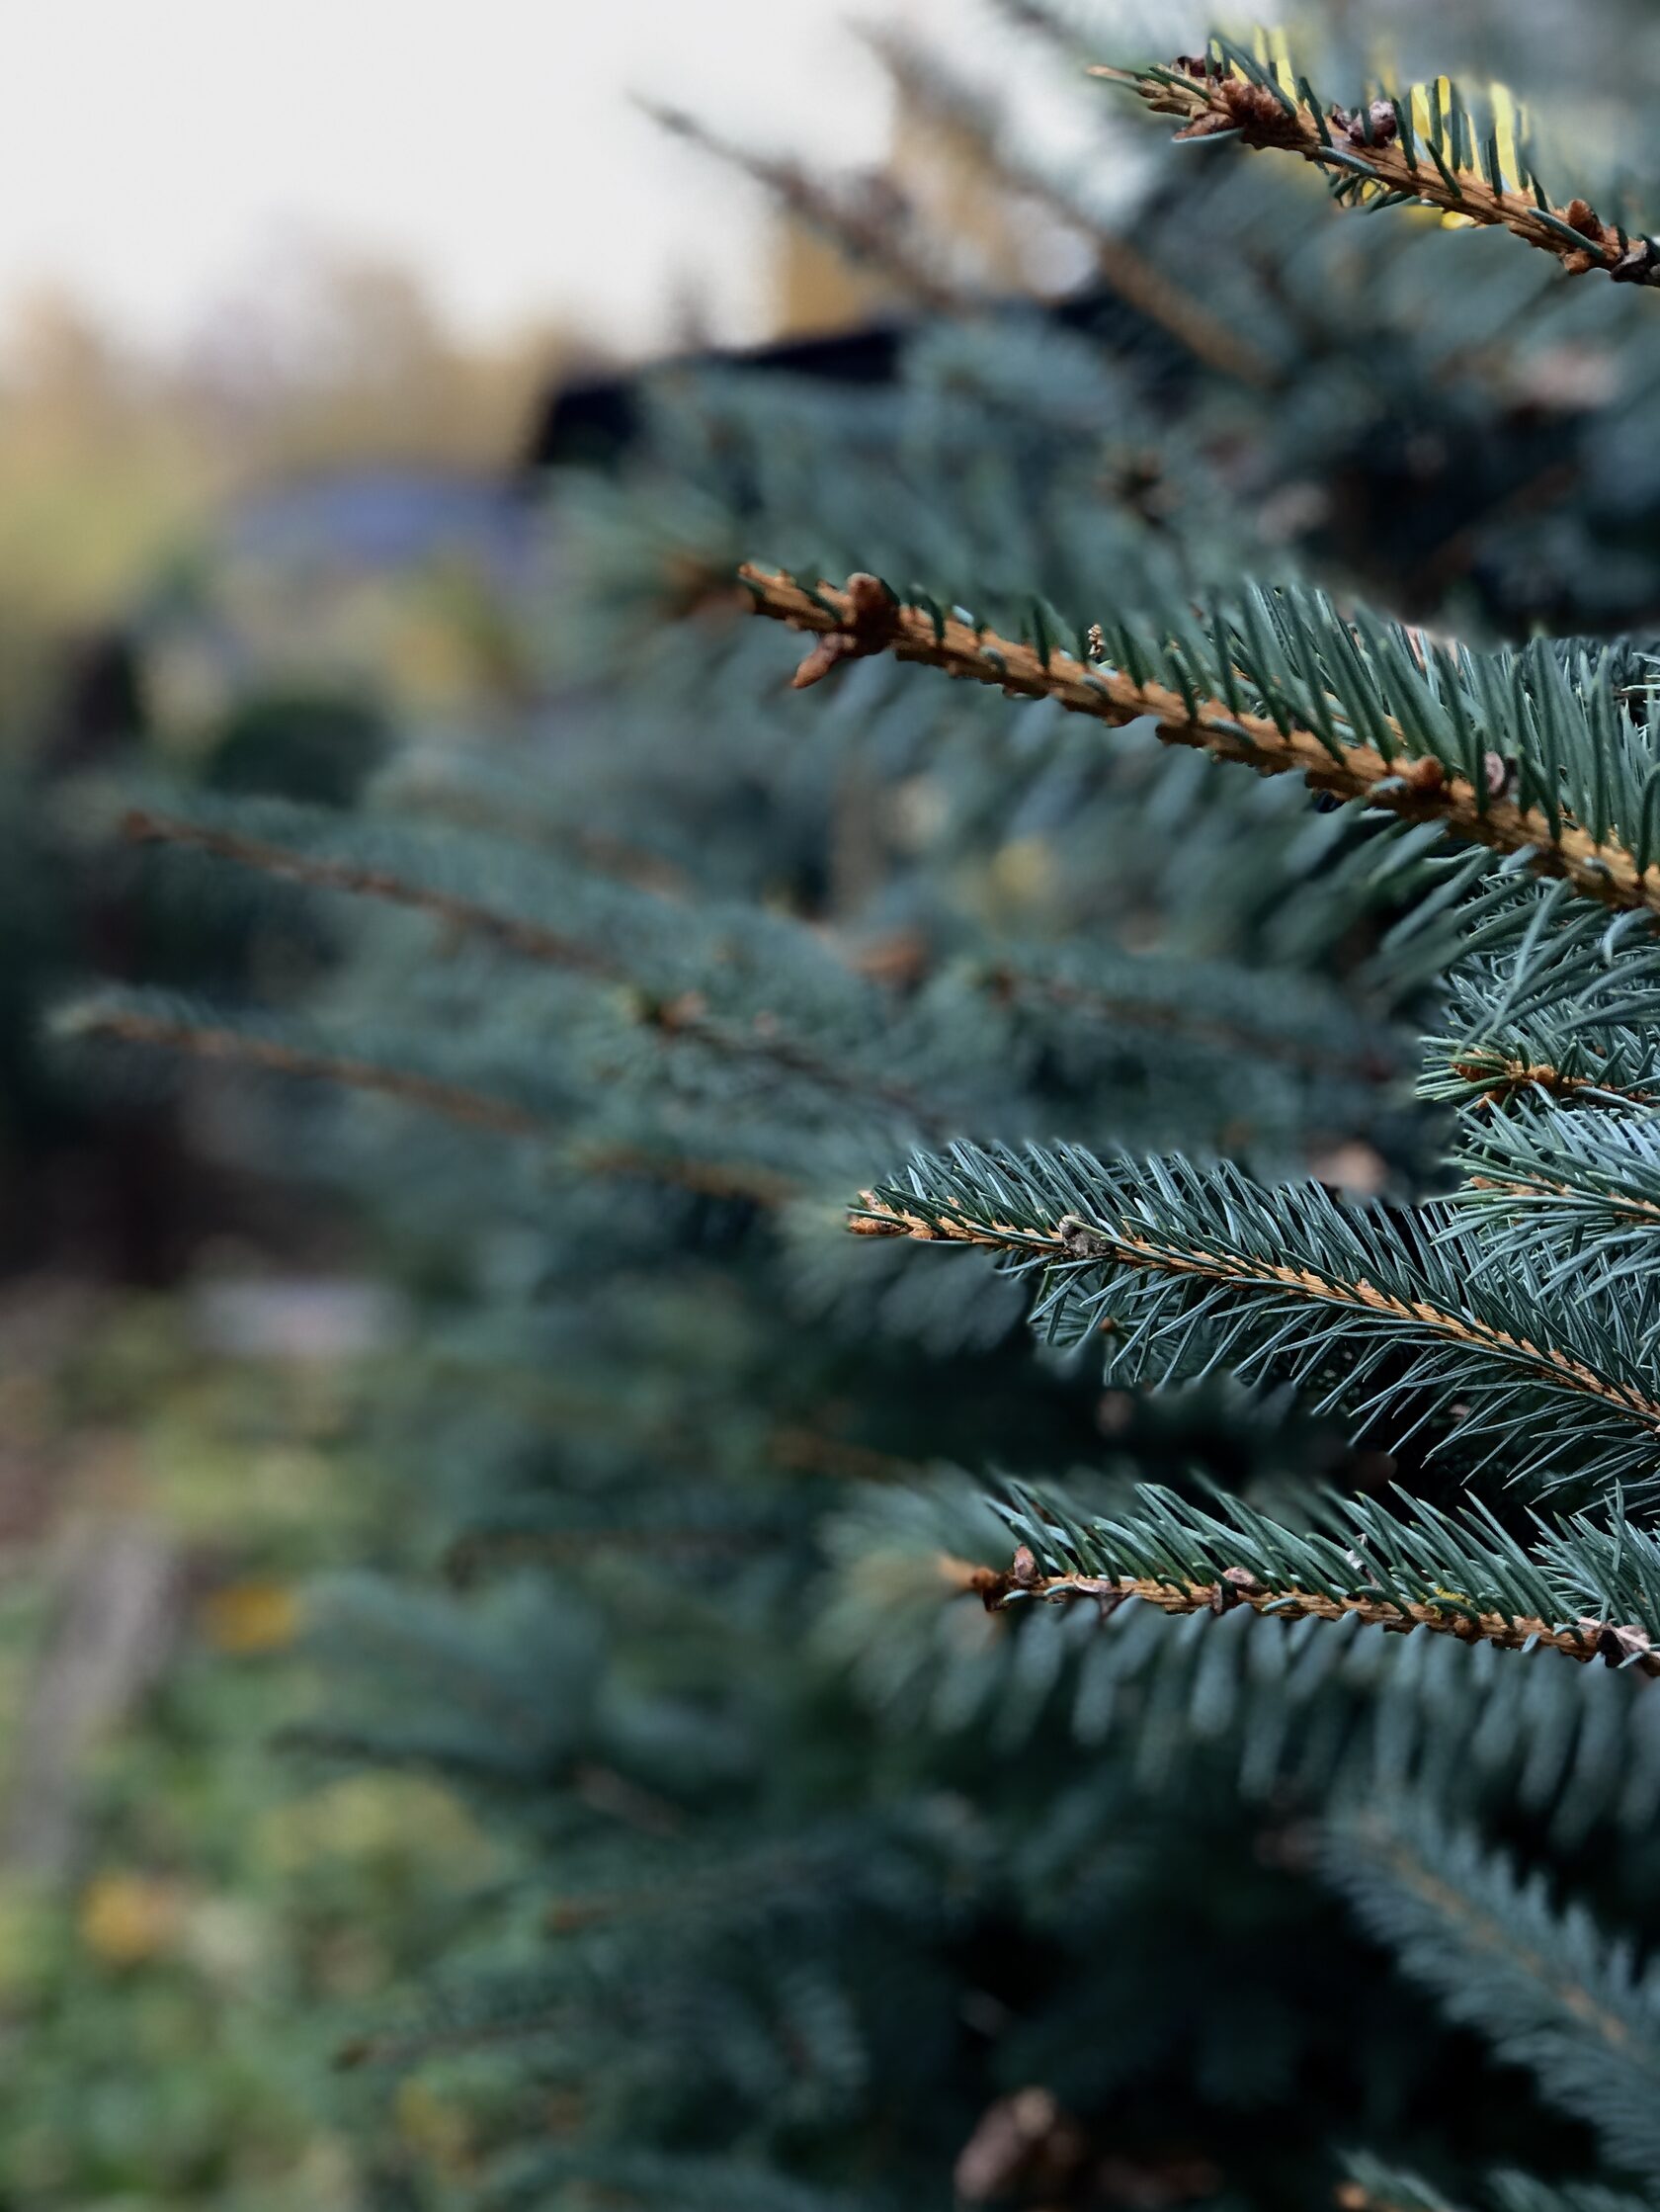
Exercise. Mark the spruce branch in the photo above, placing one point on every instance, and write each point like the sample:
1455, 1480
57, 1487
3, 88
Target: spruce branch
1460, 1574
322, 870
1371, 2187
120, 1021
128, 1020
1545, 1986
411, 877
1285, 684
1423, 147
1169, 1265
1576, 1196
1488, 1075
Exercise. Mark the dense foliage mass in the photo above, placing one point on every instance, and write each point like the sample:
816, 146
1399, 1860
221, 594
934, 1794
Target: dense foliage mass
1155, 1768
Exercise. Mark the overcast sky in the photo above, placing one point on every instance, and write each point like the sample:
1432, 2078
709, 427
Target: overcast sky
156, 153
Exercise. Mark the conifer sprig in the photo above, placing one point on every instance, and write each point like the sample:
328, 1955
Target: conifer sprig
1490, 1073
133, 1019
267, 1046
407, 865
1427, 147
1582, 1192
1575, 1588
1176, 1269
1499, 749
1544, 1986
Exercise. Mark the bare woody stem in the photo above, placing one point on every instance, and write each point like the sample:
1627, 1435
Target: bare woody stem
863, 618
1071, 1240
1383, 152
1583, 1640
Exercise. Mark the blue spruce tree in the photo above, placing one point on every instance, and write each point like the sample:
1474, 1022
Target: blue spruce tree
1211, 1751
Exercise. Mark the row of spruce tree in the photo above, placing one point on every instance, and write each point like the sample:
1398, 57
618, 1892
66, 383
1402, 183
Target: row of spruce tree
1207, 1753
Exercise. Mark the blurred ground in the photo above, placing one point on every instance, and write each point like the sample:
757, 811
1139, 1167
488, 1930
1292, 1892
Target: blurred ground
247, 566
188, 1923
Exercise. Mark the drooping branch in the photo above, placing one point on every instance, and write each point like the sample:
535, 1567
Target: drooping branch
1422, 147
1384, 767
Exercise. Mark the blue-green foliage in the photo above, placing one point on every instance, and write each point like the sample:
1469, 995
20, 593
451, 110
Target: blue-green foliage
825, 1863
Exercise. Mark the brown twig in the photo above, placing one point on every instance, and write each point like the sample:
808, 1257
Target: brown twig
142, 828
202, 1041
1414, 789
1070, 1239
1210, 100
1502, 1076
1023, 1579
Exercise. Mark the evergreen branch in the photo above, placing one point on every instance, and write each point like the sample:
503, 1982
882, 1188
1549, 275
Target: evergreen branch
1171, 1265
1222, 1008
127, 1021
1459, 1573
1356, 709
120, 1021
302, 856
1384, 154
1530, 958
1316, 1705
867, 235
1550, 1004
1371, 2187
327, 872
1547, 1989
1492, 1074
1588, 1188
1138, 282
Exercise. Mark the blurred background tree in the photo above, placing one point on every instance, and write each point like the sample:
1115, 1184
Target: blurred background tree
635, 1435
